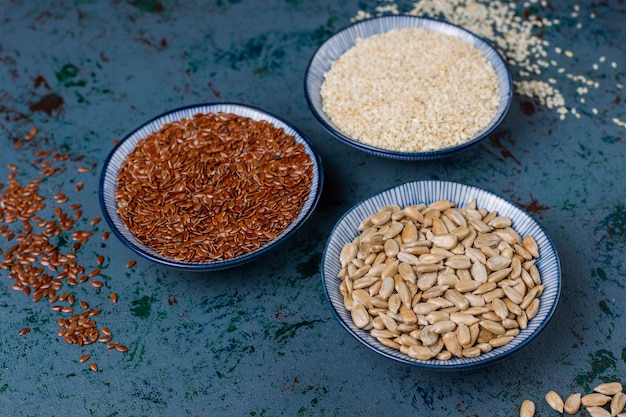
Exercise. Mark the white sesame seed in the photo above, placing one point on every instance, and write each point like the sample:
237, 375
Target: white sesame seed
373, 105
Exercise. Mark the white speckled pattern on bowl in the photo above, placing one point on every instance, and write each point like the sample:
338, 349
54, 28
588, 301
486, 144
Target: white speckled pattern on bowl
426, 192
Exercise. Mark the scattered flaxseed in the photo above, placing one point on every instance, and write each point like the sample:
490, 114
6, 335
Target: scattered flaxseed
24, 331
84, 358
31, 134
113, 297
131, 263
38, 268
93, 366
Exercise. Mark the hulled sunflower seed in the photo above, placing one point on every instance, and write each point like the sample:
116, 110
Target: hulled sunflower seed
595, 400
618, 403
609, 388
527, 409
572, 403
595, 411
424, 272
555, 401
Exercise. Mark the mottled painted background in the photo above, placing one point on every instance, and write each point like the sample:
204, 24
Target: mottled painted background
260, 340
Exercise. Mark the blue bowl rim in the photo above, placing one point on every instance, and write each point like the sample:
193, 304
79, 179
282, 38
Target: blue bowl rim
413, 156
429, 365
227, 263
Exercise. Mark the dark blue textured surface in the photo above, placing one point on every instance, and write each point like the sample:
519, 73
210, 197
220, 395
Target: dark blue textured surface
260, 340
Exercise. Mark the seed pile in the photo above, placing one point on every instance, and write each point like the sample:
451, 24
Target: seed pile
517, 30
606, 400
213, 186
433, 91
437, 281
40, 268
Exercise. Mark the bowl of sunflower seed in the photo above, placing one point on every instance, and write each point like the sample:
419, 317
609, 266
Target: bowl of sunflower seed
441, 275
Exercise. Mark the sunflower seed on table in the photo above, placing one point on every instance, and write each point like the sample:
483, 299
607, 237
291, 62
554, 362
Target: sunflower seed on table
595, 400
618, 402
609, 388
595, 411
555, 401
527, 409
572, 403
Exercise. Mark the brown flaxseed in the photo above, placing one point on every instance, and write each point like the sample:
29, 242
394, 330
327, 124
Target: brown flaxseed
37, 267
213, 186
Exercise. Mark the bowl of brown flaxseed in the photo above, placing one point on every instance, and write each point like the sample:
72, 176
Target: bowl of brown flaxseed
407, 87
210, 186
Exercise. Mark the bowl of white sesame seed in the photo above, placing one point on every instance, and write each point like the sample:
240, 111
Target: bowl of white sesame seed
210, 186
407, 87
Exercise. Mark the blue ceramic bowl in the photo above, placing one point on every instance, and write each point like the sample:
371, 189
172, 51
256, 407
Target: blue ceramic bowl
426, 192
108, 185
333, 48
